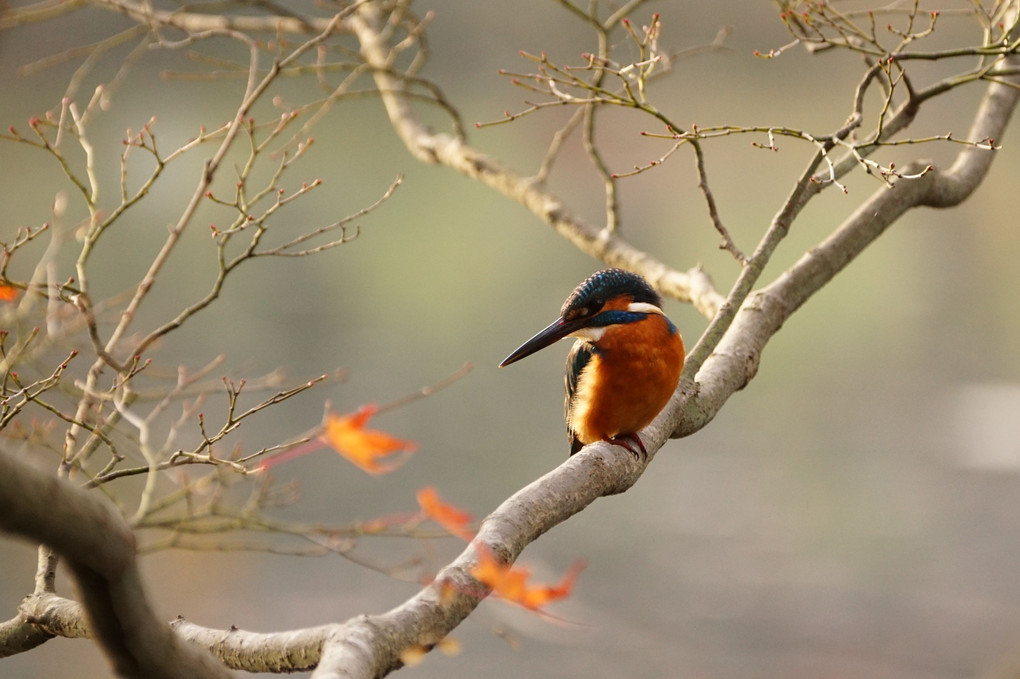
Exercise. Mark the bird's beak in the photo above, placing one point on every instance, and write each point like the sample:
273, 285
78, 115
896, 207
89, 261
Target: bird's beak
556, 330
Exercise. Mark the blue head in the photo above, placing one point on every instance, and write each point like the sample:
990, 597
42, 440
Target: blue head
607, 297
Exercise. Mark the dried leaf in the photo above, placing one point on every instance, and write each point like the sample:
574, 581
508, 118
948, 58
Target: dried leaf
413, 655
454, 520
449, 646
511, 582
373, 451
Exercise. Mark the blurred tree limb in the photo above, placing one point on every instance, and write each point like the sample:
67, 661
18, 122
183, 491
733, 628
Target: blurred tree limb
98, 547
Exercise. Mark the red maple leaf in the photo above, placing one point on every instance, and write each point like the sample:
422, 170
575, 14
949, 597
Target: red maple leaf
511, 582
454, 520
374, 451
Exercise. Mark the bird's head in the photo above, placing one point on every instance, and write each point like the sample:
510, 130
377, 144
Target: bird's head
606, 298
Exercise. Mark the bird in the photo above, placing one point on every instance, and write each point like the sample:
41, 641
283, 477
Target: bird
624, 365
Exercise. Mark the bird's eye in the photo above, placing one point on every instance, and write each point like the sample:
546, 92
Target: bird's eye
579, 312
586, 311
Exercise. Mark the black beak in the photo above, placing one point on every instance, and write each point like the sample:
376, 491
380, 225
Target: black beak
556, 330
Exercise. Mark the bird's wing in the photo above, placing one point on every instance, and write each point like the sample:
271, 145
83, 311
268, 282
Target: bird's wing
578, 357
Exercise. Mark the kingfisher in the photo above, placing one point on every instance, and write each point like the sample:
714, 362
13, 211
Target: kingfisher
625, 364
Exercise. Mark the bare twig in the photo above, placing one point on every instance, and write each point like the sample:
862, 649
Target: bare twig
456, 154
713, 211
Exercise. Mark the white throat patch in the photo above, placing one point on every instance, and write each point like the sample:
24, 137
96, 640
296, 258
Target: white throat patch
590, 334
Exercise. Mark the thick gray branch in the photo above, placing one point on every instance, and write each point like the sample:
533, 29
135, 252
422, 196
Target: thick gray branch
19, 634
371, 646
99, 550
365, 646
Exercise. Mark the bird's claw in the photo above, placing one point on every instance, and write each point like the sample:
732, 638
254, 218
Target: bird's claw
624, 442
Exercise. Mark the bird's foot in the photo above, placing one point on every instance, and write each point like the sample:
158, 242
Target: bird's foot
625, 441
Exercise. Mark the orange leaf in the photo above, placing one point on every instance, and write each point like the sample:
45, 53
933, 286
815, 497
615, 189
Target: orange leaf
511, 583
373, 451
413, 655
448, 646
8, 293
454, 520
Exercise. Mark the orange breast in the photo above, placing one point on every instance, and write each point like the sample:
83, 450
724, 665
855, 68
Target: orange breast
630, 378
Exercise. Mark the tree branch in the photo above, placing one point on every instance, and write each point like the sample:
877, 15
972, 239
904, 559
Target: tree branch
454, 152
99, 549
20, 634
364, 646
195, 22
736, 358
372, 646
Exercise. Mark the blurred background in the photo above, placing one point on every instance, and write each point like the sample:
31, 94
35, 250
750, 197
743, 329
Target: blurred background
853, 513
